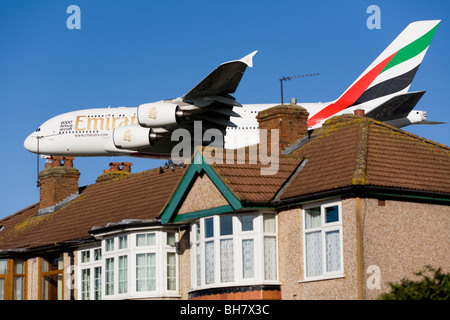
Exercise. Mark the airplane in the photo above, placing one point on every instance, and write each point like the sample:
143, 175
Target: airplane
145, 131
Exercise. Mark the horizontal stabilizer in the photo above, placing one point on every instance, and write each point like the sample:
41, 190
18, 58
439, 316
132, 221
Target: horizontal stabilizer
430, 122
397, 107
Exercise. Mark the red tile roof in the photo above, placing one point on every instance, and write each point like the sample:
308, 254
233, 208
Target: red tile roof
347, 151
138, 196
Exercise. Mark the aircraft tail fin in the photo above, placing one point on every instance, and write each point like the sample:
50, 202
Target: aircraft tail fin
392, 71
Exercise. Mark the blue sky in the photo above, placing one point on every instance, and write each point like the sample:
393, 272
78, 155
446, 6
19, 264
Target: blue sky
132, 52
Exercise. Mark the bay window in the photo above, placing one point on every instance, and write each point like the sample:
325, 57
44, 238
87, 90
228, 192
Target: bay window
322, 235
133, 263
234, 249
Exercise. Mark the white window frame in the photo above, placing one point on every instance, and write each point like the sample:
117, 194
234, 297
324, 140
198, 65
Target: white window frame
161, 248
324, 228
91, 265
198, 242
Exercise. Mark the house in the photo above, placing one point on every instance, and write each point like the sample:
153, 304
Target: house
343, 212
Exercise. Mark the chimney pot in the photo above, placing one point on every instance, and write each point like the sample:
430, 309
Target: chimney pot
114, 166
68, 161
126, 166
359, 112
56, 161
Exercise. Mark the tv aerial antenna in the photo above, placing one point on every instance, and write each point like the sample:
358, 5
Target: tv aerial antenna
294, 77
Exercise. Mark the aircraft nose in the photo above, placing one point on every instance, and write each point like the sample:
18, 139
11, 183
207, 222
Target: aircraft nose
31, 143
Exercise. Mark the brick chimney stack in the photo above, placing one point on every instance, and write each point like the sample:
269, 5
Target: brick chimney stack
58, 183
290, 119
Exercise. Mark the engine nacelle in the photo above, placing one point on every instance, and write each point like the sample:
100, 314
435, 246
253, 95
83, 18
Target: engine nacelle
133, 137
156, 115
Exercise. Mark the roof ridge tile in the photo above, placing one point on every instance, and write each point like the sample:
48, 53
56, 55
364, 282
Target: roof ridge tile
362, 146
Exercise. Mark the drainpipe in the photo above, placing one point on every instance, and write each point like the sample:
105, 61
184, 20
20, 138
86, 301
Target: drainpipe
359, 248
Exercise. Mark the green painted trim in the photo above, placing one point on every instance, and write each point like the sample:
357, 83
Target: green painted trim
203, 213
195, 168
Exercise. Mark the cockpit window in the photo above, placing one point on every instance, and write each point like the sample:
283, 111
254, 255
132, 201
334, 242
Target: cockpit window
38, 129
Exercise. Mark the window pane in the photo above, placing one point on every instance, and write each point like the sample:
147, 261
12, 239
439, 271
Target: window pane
171, 239
331, 214
171, 271
97, 254
109, 276
333, 251
97, 283
248, 259
52, 263
19, 288
313, 254
3, 265
19, 267
198, 265
145, 272
52, 287
123, 242
109, 245
269, 223
146, 239
312, 218
247, 223
270, 258
123, 274
85, 256
226, 260
141, 240
85, 283
2, 289
226, 225
209, 262
209, 227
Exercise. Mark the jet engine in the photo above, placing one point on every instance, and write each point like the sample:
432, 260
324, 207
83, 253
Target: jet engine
133, 137
157, 115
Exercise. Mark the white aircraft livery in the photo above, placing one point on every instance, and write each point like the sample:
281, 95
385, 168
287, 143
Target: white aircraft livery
145, 131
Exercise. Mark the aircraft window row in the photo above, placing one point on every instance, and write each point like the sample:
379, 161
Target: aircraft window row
105, 115
244, 128
86, 131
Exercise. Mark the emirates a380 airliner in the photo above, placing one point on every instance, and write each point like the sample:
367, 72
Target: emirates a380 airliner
145, 131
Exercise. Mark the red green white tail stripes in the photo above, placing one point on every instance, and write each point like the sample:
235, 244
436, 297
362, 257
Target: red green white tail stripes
391, 73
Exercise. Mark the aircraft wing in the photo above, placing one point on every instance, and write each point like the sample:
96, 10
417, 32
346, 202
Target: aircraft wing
397, 107
221, 82
210, 100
